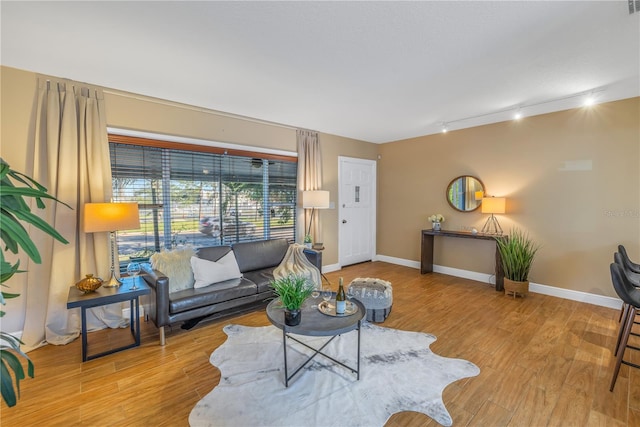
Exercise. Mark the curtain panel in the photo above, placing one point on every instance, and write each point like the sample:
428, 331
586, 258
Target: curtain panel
70, 154
309, 176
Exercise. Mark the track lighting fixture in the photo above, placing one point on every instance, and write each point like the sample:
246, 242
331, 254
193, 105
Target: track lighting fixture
582, 98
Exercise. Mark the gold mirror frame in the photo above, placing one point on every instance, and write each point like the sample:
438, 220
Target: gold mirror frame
461, 193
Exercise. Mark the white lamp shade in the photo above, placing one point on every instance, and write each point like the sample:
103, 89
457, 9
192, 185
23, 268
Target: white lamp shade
318, 199
493, 205
110, 217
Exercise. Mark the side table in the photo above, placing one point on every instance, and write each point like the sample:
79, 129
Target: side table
104, 296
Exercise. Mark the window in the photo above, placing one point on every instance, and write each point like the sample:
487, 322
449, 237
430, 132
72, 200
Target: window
200, 195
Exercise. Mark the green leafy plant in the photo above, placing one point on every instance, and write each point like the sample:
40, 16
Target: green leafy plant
307, 238
13, 210
517, 252
292, 290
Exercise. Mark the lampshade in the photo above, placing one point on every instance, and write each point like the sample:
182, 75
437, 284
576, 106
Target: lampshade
110, 217
479, 195
493, 205
318, 199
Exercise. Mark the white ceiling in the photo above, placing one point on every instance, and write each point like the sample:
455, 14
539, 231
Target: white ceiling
374, 71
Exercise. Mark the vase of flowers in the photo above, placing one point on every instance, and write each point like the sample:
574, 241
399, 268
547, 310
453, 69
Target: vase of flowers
435, 221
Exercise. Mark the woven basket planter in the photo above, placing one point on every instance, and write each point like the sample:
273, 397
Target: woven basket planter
516, 288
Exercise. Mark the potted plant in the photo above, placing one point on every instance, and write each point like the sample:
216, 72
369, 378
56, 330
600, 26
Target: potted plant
307, 240
517, 252
292, 291
14, 210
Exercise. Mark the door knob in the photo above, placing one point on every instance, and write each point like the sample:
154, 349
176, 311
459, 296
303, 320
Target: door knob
344, 221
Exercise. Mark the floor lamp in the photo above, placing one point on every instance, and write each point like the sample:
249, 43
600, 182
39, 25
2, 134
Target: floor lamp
315, 199
493, 205
111, 217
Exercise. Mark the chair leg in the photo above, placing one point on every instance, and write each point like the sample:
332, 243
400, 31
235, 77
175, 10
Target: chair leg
623, 317
628, 323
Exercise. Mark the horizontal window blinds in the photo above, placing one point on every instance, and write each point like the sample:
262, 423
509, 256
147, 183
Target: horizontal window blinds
196, 198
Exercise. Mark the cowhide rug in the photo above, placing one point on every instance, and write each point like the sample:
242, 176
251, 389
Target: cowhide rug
398, 372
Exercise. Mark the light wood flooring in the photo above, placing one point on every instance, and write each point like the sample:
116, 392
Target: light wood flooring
544, 361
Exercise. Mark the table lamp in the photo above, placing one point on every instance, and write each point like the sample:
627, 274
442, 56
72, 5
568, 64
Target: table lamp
493, 205
111, 217
315, 199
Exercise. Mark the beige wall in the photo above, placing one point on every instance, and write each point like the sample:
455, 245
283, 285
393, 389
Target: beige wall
579, 216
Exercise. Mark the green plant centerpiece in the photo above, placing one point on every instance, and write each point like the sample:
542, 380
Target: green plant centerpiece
14, 210
292, 290
517, 252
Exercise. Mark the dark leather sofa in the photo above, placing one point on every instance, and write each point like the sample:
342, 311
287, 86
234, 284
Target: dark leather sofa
256, 260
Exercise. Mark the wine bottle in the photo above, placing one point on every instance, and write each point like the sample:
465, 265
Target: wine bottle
340, 298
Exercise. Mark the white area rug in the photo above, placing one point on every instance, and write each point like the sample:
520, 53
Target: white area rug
398, 372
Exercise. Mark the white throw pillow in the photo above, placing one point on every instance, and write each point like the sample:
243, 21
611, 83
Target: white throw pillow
207, 272
175, 265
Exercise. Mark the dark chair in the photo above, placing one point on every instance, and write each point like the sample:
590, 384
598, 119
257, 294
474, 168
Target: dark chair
632, 266
630, 295
624, 311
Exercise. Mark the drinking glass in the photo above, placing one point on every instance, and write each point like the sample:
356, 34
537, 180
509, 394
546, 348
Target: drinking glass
326, 293
315, 294
133, 269
351, 292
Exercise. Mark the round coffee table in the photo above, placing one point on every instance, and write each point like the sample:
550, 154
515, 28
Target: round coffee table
316, 324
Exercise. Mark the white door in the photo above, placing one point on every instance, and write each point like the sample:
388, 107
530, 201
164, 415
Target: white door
357, 210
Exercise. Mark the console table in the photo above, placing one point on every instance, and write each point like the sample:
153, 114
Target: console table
426, 253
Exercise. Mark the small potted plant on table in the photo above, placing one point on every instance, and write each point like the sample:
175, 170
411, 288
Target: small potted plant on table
517, 252
436, 221
308, 241
293, 291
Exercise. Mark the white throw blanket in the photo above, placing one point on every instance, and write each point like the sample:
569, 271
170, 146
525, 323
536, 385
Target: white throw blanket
296, 262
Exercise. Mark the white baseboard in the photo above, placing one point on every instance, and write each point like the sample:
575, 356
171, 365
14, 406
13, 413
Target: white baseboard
569, 294
331, 268
397, 261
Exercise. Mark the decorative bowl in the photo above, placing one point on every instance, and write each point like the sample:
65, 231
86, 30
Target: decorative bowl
89, 284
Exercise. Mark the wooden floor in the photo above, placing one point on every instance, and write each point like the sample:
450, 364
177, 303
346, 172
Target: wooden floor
543, 361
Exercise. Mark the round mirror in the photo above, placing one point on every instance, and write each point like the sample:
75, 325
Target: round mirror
465, 193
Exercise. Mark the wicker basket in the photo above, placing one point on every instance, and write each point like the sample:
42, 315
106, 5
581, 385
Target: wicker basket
516, 288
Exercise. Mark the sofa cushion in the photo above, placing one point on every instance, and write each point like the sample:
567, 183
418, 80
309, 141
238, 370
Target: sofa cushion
261, 254
176, 266
262, 278
190, 299
211, 273
213, 253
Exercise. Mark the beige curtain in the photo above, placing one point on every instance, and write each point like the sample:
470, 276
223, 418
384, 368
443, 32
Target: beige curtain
309, 177
71, 159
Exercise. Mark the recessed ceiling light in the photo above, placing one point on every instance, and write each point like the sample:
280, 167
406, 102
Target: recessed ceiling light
589, 100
